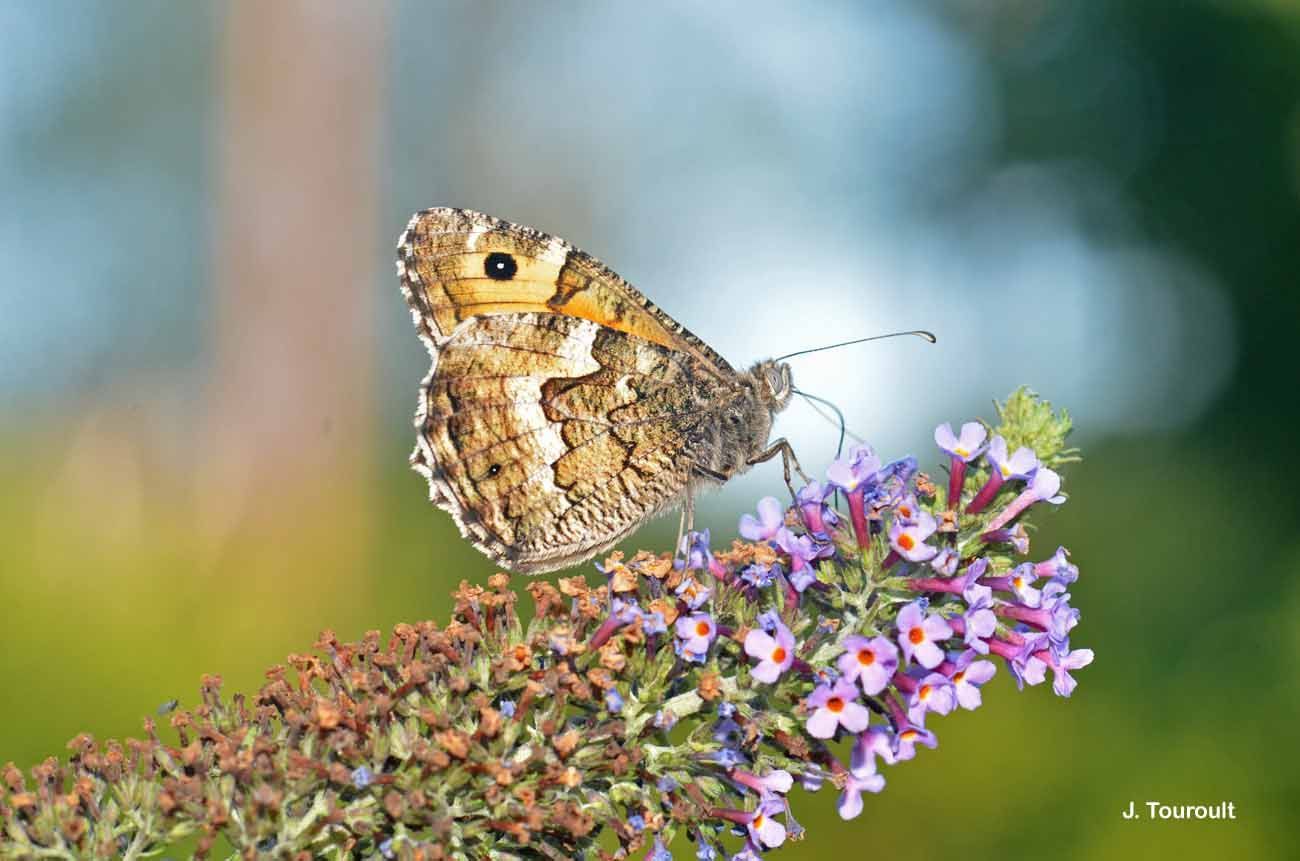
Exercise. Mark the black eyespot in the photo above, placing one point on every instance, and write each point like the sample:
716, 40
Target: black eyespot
500, 266
493, 470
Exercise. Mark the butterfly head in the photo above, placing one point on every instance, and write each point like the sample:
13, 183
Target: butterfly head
776, 386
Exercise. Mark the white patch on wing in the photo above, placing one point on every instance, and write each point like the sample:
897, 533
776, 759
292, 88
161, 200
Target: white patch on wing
471, 241
555, 251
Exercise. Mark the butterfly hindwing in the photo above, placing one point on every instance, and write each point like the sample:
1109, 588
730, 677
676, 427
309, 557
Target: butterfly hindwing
551, 437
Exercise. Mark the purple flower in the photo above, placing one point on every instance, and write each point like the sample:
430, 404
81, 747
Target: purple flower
1063, 683
969, 675
908, 738
961, 450
771, 517
908, 540
836, 706
1020, 582
918, 634
1054, 615
1058, 567
1023, 661
653, 623
613, 701
819, 517
934, 693
812, 780
1020, 464
870, 662
757, 575
850, 803
508, 708
775, 653
856, 475
621, 612
1045, 486
763, 829
660, 852
695, 549
966, 447
979, 619
802, 552
1018, 538
362, 777
696, 632
974, 572
946, 561
894, 477
855, 470
706, 851
875, 742
907, 510
1002, 469
776, 782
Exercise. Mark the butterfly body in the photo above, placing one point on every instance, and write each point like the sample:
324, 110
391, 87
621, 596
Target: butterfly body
563, 409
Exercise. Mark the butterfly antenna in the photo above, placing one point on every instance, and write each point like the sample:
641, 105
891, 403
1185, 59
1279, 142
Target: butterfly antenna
920, 333
813, 401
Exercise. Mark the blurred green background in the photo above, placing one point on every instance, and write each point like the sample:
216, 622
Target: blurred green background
207, 371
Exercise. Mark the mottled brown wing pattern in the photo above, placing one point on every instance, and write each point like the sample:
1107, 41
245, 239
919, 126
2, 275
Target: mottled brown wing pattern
550, 437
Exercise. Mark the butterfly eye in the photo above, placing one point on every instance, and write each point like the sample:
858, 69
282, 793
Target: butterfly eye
494, 470
500, 266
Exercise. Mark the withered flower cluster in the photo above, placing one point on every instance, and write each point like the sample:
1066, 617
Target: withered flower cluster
685, 694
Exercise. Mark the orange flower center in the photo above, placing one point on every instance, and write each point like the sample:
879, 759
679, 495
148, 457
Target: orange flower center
866, 657
924, 692
906, 541
907, 734
835, 704
962, 451
758, 820
905, 511
778, 655
916, 635
958, 676
702, 629
1018, 581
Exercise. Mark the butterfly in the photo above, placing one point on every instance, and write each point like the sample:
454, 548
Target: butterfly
562, 409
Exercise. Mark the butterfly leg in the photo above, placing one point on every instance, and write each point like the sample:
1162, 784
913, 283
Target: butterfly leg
686, 523
788, 460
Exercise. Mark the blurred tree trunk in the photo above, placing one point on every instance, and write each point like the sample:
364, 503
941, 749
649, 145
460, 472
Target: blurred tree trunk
289, 404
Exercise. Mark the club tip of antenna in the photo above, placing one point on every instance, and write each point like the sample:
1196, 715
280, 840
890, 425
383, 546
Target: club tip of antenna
922, 333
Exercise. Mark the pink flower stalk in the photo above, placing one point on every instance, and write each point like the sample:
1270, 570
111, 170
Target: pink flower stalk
1045, 486
777, 782
961, 450
1002, 469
